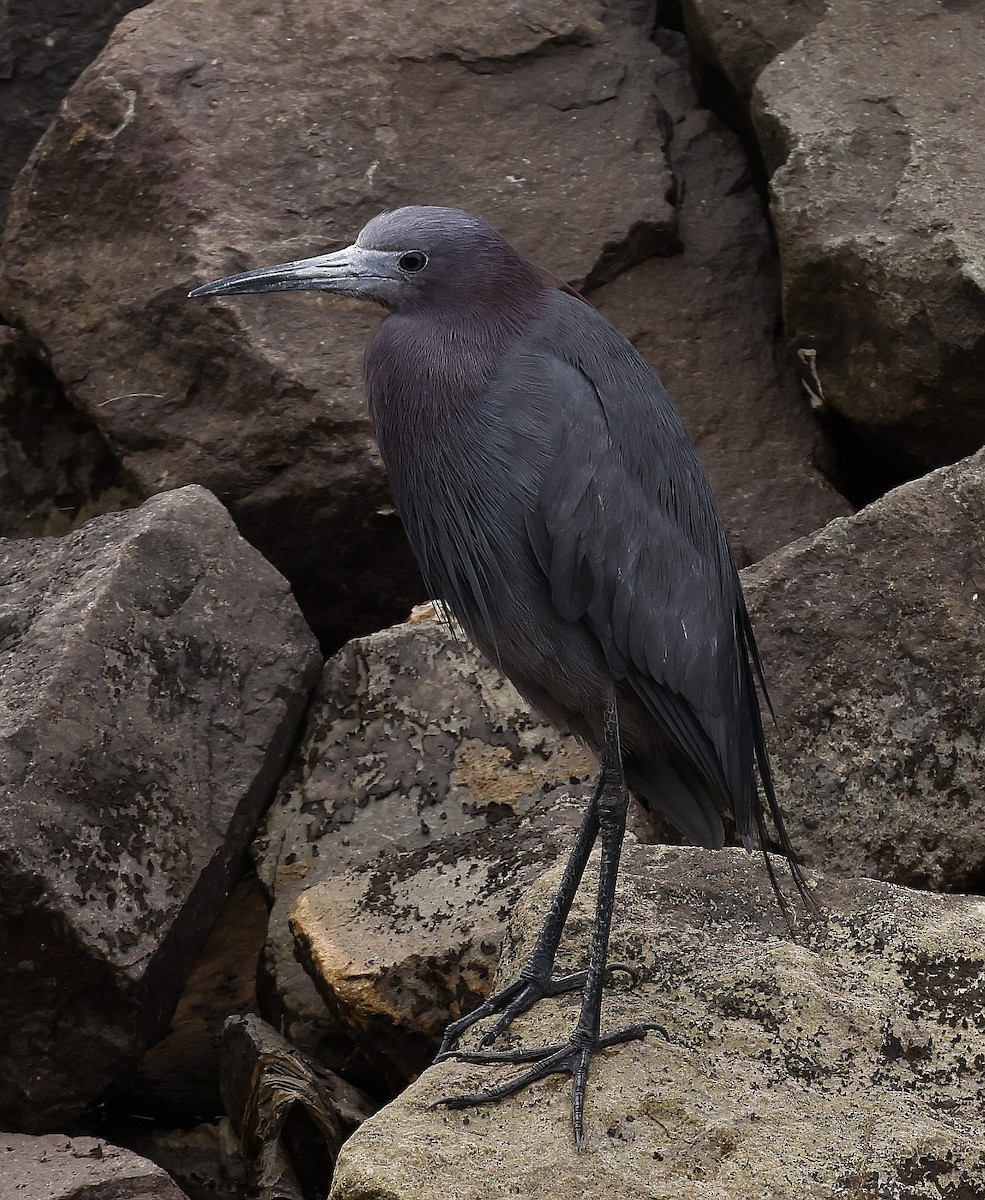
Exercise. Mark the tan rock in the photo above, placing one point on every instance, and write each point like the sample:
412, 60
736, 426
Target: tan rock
841, 1062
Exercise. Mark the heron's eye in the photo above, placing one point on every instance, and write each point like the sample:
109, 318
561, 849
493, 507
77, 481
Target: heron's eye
413, 260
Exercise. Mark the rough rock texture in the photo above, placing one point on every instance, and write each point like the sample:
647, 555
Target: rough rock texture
44, 44
56, 470
408, 942
708, 320
873, 635
213, 137
82, 1168
870, 118
205, 1162
845, 1063
416, 753
154, 670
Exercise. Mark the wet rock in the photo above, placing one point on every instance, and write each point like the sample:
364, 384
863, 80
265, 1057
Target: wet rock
845, 1061
56, 471
291, 1115
873, 635
81, 1168
708, 320
413, 746
870, 120
154, 671
210, 142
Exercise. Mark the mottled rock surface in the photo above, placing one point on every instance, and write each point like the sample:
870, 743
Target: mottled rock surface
404, 944
870, 118
845, 1062
873, 635
416, 755
154, 671
81, 1168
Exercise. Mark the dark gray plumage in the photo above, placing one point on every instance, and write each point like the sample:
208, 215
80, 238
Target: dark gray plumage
557, 506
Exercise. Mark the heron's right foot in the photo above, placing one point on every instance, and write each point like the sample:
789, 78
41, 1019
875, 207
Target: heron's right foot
519, 997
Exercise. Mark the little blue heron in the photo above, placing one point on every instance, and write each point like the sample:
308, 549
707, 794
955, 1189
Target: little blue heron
557, 507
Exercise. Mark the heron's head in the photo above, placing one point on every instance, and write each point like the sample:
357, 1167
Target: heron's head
419, 257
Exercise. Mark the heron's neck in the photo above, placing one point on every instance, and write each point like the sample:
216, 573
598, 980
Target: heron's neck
427, 374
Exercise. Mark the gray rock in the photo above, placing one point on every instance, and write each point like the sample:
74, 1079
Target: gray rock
873, 635
870, 123
80, 1168
403, 945
842, 1062
154, 671
211, 138
205, 1161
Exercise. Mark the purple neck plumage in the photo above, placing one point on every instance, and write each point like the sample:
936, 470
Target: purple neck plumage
427, 368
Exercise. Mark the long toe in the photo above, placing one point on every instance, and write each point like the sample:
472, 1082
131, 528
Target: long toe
520, 997
573, 1057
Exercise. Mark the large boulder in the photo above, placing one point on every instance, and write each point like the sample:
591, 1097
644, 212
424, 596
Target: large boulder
870, 122
841, 1061
873, 634
212, 138
154, 671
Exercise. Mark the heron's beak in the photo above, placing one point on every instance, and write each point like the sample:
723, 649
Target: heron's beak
350, 272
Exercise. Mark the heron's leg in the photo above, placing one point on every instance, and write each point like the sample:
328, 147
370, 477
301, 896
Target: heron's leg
535, 980
612, 803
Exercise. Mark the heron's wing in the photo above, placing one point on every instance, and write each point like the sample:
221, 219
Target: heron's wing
625, 528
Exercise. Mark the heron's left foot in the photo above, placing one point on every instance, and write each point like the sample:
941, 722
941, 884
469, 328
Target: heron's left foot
573, 1057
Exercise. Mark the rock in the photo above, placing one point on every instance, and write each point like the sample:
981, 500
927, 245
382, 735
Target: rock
211, 138
708, 320
870, 121
416, 757
80, 1168
291, 1115
873, 635
405, 944
45, 44
177, 1081
56, 470
154, 671
204, 1161
845, 1061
